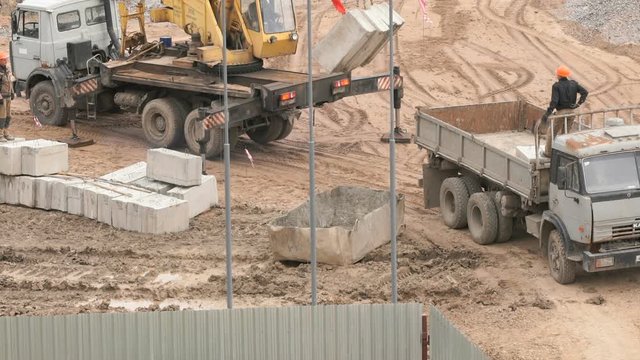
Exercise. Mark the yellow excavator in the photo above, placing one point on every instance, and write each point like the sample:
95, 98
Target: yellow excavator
256, 29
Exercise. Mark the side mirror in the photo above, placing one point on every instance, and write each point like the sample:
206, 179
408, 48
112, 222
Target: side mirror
562, 177
14, 22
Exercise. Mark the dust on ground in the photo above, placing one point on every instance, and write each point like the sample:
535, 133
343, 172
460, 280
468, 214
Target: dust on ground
501, 296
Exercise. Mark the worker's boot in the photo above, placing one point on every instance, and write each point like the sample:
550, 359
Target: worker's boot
5, 132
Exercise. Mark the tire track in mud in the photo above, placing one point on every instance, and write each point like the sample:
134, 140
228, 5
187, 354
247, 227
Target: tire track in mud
539, 42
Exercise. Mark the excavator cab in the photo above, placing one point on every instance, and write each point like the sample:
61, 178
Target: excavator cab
256, 29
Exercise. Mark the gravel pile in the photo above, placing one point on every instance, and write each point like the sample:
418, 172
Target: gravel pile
617, 20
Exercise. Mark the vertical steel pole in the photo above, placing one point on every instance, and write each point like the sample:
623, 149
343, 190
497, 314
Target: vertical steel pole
227, 160
392, 166
312, 162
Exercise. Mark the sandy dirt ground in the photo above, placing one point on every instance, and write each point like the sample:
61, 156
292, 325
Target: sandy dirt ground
501, 296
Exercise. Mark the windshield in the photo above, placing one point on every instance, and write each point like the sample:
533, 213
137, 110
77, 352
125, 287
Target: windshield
278, 16
608, 173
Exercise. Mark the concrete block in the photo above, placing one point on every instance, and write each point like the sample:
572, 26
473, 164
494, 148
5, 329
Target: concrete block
153, 185
2, 189
12, 190
157, 214
200, 198
96, 201
174, 167
44, 157
59, 192
43, 192
129, 174
11, 158
26, 190
119, 207
356, 39
75, 198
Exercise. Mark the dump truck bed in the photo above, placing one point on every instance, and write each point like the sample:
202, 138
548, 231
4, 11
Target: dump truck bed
494, 141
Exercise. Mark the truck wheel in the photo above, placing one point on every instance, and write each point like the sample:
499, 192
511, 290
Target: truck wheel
505, 224
454, 197
562, 269
473, 184
288, 119
482, 218
46, 106
163, 121
215, 145
266, 134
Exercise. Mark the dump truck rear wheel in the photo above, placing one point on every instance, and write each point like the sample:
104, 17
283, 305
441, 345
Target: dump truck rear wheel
288, 119
163, 121
46, 106
215, 145
473, 184
482, 218
505, 224
562, 269
266, 134
454, 197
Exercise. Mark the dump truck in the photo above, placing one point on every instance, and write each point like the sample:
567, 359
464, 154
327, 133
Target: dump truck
78, 54
486, 170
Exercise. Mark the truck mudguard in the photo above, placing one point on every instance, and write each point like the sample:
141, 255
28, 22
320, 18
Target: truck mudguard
58, 76
549, 217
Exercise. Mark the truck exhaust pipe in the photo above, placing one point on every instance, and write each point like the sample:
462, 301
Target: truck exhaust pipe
109, 11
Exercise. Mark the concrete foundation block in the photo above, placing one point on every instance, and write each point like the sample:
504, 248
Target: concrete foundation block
157, 214
26, 190
153, 185
59, 192
44, 192
127, 175
44, 157
11, 158
2, 189
356, 39
96, 202
119, 207
11, 190
75, 198
174, 167
200, 198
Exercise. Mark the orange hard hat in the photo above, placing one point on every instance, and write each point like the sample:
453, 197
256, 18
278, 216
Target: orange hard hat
3, 55
563, 71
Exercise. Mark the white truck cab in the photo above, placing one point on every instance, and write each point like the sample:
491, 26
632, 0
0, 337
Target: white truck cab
41, 30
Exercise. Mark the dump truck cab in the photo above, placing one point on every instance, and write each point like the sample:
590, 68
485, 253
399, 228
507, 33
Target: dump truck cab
594, 197
42, 30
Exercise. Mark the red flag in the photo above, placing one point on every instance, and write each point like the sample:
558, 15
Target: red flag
37, 122
249, 156
338, 5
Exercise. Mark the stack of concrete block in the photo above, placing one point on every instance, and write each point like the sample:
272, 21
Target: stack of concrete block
356, 39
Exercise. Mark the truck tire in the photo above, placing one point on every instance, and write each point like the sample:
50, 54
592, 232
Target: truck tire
505, 224
46, 106
472, 183
266, 134
482, 218
288, 119
454, 197
163, 122
215, 145
562, 269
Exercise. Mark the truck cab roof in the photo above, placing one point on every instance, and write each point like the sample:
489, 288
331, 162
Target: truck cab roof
47, 5
599, 141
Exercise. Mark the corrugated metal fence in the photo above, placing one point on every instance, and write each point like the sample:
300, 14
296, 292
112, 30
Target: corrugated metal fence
448, 343
350, 332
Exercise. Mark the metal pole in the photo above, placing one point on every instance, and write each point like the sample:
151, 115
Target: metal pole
227, 161
392, 165
312, 162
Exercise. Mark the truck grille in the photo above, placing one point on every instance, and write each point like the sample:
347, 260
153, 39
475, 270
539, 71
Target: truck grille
626, 231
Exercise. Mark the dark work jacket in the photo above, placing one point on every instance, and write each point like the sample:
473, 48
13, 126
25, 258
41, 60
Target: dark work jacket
564, 95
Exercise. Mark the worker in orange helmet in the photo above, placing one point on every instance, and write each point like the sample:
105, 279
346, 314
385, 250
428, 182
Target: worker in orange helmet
564, 99
6, 95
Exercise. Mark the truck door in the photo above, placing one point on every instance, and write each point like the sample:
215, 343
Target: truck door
25, 43
568, 201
